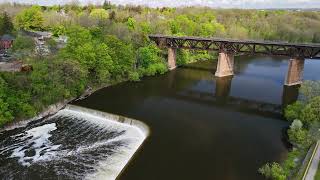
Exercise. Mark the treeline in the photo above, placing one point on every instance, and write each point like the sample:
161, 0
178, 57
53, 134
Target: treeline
304, 116
108, 44
291, 26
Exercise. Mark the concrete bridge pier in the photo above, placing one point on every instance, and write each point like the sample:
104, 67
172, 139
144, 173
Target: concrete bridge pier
172, 58
290, 95
295, 72
225, 64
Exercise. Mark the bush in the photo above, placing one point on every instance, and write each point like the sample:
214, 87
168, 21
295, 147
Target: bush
23, 43
149, 61
153, 69
311, 113
5, 112
298, 136
134, 76
310, 90
273, 171
293, 111
30, 18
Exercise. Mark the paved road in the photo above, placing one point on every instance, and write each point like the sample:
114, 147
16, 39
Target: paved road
314, 165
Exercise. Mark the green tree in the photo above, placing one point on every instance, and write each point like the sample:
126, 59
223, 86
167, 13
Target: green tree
92, 54
273, 171
23, 46
112, 15
311, 113
99, 14
149, 61
107, 5
30, 19
131, 23
310, 89
122, 55
297, 135
5, 113
58, 30
293, 111
6, 25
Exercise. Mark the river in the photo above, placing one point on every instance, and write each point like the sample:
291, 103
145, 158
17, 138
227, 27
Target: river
201, 127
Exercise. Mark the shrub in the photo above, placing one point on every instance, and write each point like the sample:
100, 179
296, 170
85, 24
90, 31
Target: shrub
311, 112
134, 76
273, 171
293, 111
297, 135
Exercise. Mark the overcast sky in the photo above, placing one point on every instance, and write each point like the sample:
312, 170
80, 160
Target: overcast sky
212, 3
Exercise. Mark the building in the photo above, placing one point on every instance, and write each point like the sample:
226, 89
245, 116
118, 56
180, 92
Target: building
6, 41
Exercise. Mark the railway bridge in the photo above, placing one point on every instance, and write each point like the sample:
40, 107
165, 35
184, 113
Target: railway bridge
228, 48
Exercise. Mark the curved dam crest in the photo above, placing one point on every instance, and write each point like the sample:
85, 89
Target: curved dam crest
76, 143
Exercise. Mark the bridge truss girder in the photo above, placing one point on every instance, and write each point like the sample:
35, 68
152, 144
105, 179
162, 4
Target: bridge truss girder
240, 47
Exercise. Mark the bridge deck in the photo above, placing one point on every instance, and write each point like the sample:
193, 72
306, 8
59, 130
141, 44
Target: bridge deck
299, 50
280, 43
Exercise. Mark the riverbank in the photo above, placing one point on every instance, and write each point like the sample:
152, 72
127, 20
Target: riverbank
53, 109
313, 163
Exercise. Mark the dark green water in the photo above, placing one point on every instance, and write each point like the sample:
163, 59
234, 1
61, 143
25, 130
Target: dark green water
203, 127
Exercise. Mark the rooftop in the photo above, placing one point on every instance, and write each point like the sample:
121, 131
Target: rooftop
7, 37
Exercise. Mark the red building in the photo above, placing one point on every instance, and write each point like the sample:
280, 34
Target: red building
6, 41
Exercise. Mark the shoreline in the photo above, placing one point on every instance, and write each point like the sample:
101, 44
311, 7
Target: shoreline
53, 108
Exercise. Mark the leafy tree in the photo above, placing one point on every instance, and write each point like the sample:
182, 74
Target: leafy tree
311, 113
30, 19
310, 89
107, 5
182, 25
93, 55
122, 55
5, 113
23, 46
112, 15
149, 62
6, 25
58, 30
297, 135
131, 23
293, 111
99, 14
273, 171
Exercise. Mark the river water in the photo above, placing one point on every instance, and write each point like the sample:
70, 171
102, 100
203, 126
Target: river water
201, 127
76, 143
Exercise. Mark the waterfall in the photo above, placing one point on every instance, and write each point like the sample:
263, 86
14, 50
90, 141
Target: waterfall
75, 143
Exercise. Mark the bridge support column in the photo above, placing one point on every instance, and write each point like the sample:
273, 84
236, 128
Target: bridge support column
172, 58
290, 95
225, 65
295, 72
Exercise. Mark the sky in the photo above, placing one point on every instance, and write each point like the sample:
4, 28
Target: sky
259, 4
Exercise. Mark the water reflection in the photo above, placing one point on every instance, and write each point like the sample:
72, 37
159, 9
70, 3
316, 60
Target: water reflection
223, 87
203, 127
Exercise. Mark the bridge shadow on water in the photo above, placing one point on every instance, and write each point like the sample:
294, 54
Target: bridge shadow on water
221, 96
203, 127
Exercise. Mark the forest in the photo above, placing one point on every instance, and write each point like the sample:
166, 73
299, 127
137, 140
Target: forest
109, 44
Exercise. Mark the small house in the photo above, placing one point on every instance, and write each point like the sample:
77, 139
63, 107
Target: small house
6, 41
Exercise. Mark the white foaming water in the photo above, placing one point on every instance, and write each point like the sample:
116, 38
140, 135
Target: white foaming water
97, 145
37, 139
135, 131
